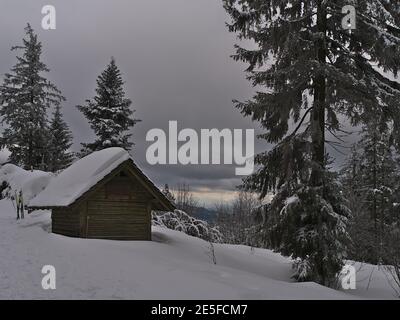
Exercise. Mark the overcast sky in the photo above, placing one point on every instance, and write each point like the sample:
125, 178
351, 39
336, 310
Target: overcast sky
175, 60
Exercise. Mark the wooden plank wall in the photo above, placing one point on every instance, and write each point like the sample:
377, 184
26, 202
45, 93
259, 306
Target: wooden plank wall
66, 221
118, 210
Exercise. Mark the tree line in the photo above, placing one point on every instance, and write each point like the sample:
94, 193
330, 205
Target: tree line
39, 141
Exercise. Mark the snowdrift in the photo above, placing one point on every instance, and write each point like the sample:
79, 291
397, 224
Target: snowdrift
30, 182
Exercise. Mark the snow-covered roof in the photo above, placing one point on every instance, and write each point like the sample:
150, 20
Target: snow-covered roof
80, 177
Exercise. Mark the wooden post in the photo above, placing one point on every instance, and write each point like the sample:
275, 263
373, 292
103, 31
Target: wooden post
87, 226
149, 207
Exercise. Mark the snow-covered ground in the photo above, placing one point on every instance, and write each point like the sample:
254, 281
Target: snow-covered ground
172, 266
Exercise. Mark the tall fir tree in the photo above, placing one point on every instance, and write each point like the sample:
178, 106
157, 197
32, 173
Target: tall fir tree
311, 72
109, 112
59, 143
25, 97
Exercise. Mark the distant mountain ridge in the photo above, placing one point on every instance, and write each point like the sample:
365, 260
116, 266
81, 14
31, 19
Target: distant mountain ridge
205, 214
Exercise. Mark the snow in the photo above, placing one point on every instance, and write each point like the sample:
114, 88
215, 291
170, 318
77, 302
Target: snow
172, 266
181, 221
4, 155
30, 182
74, 181
291, 200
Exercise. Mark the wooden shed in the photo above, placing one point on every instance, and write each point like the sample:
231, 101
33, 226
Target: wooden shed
103, 196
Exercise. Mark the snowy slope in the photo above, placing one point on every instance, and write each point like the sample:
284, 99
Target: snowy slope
173, 266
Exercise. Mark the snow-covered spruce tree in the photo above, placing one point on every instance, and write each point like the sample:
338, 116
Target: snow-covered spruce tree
109, 112
25, 96
375, 184
309, 72
60, 142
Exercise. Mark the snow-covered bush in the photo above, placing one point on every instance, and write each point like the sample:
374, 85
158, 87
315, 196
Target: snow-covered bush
302, 270
181, 221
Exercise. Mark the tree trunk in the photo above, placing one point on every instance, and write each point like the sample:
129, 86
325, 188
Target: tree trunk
29, 165
318, 124
375, 186
318, 112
